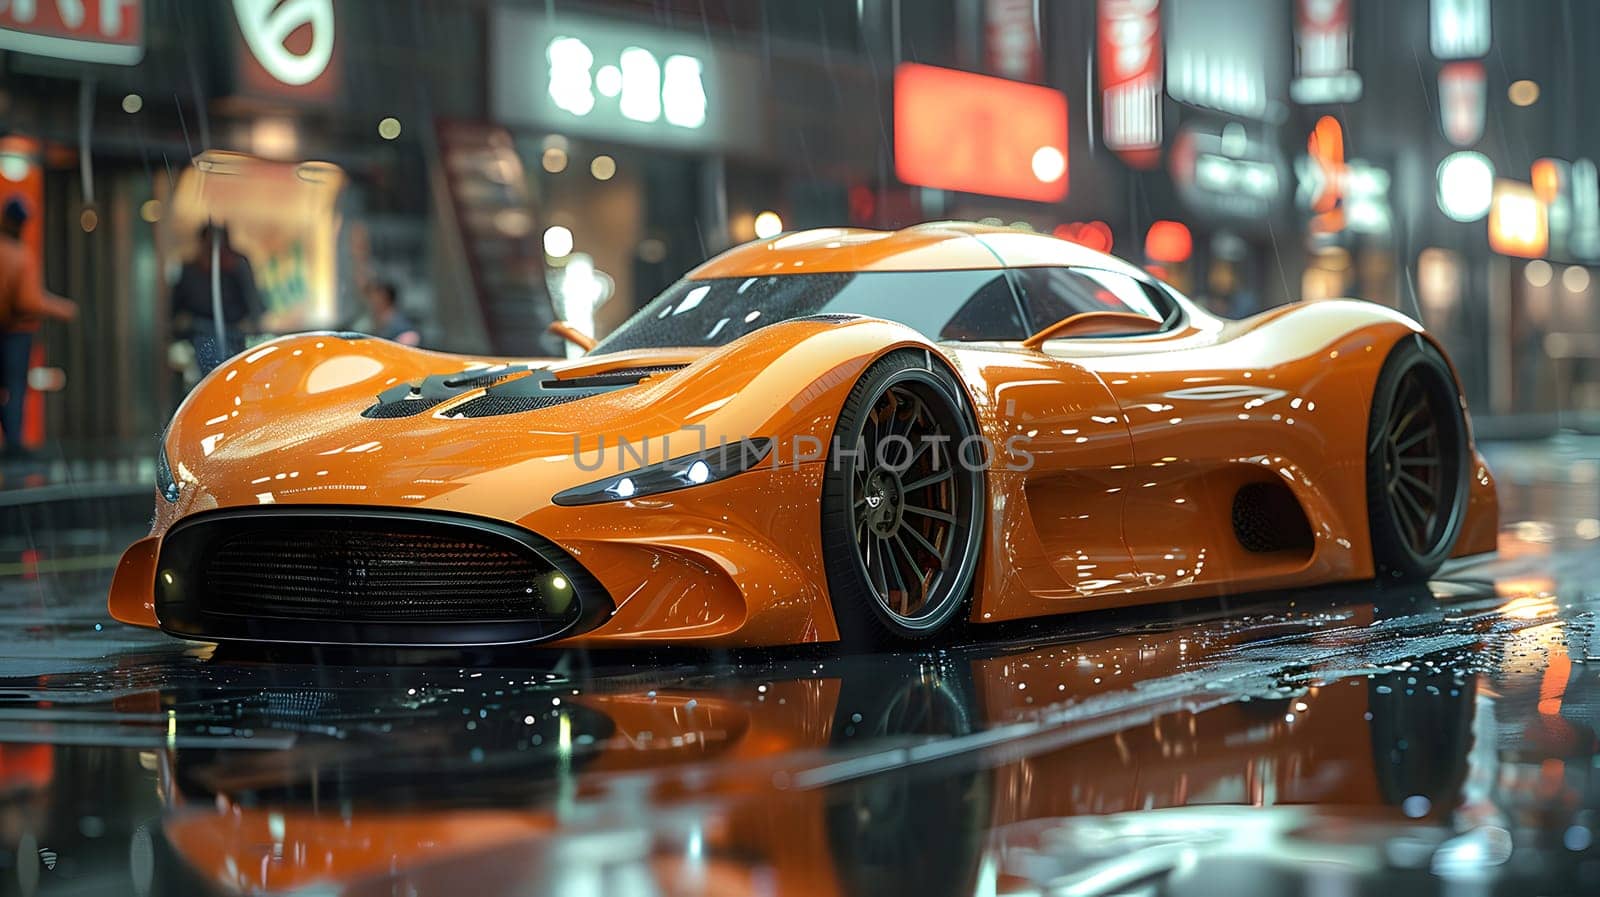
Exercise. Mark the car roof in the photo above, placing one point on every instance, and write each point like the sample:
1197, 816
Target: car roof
936, 246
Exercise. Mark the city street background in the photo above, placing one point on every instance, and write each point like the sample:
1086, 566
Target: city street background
460, 174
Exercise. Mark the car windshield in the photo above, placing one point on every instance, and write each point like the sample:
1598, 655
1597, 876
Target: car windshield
942, 305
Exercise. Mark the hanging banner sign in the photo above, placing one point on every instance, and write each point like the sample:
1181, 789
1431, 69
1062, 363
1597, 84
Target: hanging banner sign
1584, 241
1462, 99
1131, 76
1323, 57
1011, 30
1459, 29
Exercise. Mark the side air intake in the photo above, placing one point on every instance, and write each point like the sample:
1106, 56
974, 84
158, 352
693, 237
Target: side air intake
1267, 518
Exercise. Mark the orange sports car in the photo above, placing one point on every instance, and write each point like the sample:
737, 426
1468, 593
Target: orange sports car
834, 434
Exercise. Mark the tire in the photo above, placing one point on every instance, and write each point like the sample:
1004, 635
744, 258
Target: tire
897, 511
1417, 464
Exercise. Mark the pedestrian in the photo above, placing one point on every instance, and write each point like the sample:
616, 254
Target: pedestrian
24, 303
198, 297
384, 317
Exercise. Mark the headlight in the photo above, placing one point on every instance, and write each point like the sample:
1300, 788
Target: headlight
165, 484
679, 473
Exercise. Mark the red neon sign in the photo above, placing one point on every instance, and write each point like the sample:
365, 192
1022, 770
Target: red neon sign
109, 31
1462, 100
1326, 149
1130, 78
1168, 241
976, 134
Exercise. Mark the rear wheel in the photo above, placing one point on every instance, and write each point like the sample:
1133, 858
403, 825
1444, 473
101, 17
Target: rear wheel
902, 503
1416, 463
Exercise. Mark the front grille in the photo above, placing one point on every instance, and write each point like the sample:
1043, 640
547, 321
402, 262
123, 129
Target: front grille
361, 576
330, 573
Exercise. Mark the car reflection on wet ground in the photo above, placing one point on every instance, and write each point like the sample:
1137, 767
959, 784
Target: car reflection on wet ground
1329, 741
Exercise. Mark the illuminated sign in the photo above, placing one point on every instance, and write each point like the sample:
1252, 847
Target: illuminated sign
1548, 175
1584, 241
1570, 192
109, 31
612, 81
1466, 186
1130, 78
1223, 174
1168, 241
1462, 100
1222, 169
1325, 181
975, 134
266, 26
1323, 72
646, 89
1094, 234
1458, 29
1366, 198
1216, 55
1012, 29
1518, 224
1341, 194
1551, 180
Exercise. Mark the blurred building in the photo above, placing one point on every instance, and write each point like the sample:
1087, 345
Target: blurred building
507, 163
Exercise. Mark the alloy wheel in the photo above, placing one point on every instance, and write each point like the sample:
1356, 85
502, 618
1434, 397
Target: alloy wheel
906, 501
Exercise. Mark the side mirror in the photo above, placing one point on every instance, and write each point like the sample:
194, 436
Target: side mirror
571, 334
1094, 323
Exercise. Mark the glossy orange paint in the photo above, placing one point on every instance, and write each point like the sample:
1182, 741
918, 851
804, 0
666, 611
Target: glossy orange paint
1137, 445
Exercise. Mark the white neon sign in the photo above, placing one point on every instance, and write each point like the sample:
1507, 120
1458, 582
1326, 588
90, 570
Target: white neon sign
267, 24
647, 89
1459, 29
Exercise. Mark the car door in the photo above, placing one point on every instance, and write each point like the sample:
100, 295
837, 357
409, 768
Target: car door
1061, 451
1165, 532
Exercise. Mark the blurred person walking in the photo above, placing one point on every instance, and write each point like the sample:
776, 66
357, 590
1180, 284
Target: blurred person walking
215, 302
24, 302
384, 317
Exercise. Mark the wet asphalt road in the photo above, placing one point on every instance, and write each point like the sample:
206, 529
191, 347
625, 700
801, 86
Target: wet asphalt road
1338, 741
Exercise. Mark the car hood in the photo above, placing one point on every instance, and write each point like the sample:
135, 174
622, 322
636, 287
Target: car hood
323, 419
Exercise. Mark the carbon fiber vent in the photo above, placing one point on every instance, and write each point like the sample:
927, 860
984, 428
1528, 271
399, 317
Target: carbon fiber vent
410, 407
618, 377
1266, 517
490, 405
410, 400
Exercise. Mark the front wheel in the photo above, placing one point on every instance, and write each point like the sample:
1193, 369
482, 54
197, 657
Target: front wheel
902, 503
1416, 463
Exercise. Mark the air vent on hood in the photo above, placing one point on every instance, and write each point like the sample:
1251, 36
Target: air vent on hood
489, 405
412, 399
617, 377
540, 389
409, 406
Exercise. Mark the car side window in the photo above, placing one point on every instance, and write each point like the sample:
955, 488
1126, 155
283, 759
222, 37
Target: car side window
1052, 294
990, 313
